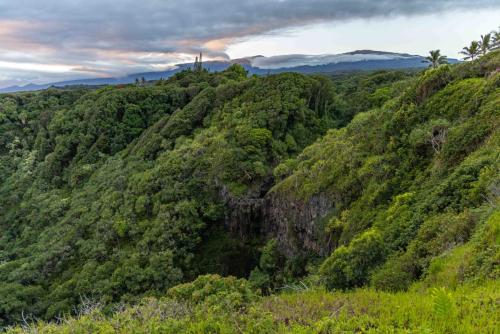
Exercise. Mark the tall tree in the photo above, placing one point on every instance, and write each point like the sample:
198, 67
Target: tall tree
435, 58
195, 67
198, 64
472, 51
485, 43
495, 44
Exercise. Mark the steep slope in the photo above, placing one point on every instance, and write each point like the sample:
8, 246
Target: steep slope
405, 183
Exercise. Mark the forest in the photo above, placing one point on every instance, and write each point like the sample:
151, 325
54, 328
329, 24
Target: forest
225, 203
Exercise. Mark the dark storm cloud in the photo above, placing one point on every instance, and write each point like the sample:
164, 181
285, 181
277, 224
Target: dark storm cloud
123, 35
153, 25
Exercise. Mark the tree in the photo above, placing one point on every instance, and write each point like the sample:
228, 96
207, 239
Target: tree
198, 63
350, 266
435, 58
485, 43
495, 45
471, 51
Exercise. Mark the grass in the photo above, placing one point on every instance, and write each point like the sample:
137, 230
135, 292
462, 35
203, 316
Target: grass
466, 309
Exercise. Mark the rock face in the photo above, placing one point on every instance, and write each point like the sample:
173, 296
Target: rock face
296, 224
244, 216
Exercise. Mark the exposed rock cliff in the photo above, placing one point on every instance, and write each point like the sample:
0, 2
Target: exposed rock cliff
297, 224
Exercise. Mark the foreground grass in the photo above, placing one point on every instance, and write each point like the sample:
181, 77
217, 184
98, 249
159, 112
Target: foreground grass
466, 309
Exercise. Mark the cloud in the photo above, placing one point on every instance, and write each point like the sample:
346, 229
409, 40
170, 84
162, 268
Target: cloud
120, 36
286, 61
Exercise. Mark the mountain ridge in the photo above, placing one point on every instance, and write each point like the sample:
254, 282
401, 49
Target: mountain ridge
358, 60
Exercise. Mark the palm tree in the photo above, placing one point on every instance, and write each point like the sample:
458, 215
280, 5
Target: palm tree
471, 51
495, 45
485, 43
435, 59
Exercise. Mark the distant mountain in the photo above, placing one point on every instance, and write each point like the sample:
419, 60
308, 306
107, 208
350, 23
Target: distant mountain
361, 60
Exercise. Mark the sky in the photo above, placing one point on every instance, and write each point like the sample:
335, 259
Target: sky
55, 40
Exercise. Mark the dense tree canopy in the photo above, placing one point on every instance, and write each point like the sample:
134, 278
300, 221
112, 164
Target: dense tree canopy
124, 192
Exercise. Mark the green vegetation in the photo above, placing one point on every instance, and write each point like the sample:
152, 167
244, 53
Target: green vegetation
357, 203
123, 192
435, 58
215, 305
472, 51
407, 181
485, 44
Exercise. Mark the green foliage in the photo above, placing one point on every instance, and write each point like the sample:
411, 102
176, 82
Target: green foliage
396, 274
435, 58
431, 82
226, 293
269, 275
439, 311
363, 92
442, 302
486, 250
449, 269
124, 192
420, 169
350, 266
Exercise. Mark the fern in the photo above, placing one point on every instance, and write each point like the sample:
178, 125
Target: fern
443, 302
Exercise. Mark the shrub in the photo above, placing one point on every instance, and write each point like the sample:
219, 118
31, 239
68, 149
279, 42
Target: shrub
431, 82
215, 291
269, 274
397, 274
463, 139
349, 266
486, 250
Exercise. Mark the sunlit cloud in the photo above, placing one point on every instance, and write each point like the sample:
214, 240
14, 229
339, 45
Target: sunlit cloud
49, 68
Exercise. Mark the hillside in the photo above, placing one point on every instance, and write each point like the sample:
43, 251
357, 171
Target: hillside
385, 180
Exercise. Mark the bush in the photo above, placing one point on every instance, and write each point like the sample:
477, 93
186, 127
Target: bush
486, 250
350, 266
397, 274
437, 235
463, 139
215, 291
269, 273
431, 82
